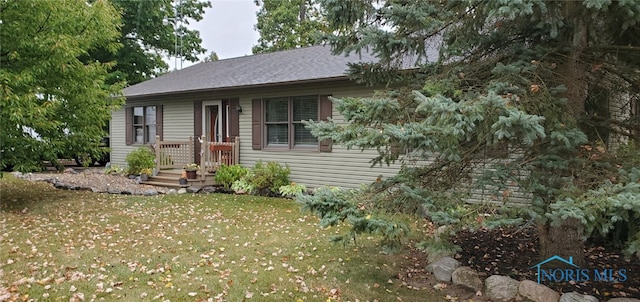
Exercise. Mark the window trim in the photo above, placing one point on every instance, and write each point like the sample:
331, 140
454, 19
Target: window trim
130, 125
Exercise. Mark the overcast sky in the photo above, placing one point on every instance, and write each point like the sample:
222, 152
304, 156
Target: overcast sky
227, 29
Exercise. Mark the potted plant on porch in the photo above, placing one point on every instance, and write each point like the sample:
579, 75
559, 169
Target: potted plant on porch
191, 170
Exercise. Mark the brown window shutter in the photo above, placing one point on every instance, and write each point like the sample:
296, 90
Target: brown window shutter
197, 129
159, 122
256, 124
128, 125
234, 118
325, 113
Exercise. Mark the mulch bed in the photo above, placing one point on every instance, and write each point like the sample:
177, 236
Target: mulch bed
513, 251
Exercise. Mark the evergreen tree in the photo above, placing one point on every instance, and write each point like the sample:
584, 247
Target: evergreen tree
287, 24
525, 86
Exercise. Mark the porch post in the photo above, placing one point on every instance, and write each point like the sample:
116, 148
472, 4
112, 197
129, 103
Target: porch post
158, 143
191, 147
236, 151
202, 157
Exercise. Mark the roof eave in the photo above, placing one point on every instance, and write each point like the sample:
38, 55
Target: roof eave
231, 88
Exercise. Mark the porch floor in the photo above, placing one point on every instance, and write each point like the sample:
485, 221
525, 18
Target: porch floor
170, 179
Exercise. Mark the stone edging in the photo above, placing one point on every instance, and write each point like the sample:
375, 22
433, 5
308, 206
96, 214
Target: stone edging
504, 288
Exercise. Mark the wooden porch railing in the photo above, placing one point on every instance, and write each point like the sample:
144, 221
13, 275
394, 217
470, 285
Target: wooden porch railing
176, 154
215, 154
173, 154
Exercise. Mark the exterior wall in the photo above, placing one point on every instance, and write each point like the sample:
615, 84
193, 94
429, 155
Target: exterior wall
178, 125
341, 167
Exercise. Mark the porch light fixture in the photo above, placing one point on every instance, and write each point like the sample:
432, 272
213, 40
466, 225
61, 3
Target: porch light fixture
239, 109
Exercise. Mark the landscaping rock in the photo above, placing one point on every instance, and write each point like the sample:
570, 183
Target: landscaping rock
150, 192
70, 171
537, 292
443, 268
208, 189
172, 192
624, 300
61, 186
501, 288
577, 297
467, 277
193, 189
182, 191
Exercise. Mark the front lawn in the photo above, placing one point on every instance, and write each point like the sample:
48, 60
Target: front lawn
56, 245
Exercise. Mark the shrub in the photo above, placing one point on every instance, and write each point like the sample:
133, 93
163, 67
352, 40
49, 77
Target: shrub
139, 159
242, 186
268, 178
227, 175
292, 189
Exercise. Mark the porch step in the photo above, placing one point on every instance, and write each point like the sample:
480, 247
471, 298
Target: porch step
169, 179
163, 184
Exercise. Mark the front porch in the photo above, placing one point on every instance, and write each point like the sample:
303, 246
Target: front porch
172, 156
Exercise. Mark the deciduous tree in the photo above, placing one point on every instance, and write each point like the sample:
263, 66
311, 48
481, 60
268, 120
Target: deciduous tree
54, 99
152, 30
287, 24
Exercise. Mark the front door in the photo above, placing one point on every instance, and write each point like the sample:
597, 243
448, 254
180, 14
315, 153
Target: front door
214, 121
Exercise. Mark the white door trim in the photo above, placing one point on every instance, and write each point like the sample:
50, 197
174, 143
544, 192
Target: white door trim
204, 117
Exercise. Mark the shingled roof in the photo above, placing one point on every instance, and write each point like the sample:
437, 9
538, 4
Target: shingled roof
296, 65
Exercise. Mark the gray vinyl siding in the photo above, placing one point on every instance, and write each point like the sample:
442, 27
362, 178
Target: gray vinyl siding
178, 125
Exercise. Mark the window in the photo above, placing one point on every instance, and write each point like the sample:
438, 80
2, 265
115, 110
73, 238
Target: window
276, 123
141, 125
283, 121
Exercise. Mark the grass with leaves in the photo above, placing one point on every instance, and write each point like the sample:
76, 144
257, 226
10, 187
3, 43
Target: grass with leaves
73, 246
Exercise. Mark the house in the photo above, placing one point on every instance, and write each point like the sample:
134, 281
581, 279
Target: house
246, 109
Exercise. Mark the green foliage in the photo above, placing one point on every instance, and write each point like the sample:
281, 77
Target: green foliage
287, 24
243, 186
609, 208
147, 171
146, 39
513, 91
437, 248
138, 159
113, 170
337, 206
292, 189
227, 175
53, 100
268, 177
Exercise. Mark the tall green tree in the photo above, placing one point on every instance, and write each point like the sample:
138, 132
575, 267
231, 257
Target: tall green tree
523, 87
53, 98
152, 30
287, 24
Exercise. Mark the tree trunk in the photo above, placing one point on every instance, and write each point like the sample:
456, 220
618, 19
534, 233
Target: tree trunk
575, 69
564, 240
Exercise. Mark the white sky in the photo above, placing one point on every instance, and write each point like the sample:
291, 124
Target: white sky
227, 29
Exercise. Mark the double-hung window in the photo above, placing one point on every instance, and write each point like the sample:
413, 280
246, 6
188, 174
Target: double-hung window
283, 122
277, 123
143, 127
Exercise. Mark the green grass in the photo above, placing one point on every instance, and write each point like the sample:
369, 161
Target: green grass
56, 244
